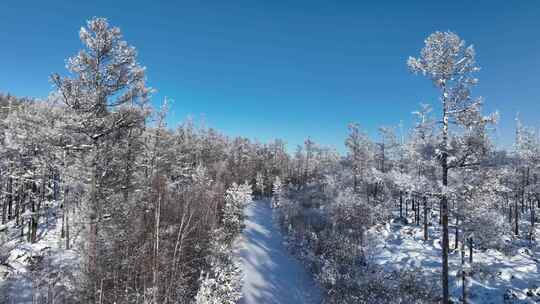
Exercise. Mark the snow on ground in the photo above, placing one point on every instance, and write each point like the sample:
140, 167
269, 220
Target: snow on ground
271, 275
21, 260
402, 246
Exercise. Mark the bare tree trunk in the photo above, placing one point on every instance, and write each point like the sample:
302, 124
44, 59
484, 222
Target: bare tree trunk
406, 208
525, 184
18, 205
355, 183
456, 232
413, 207
66, 215
33, 220
128, 168
464, 286
401, 204
445, 240
418, 212
4, 207
533, 220
101, 291
36, 210
21, 207
92, 250
462, 251
440, 213
156, 251
463, 274
63, 228
444, 205
470, 239
516, 218
425, 220
10, 198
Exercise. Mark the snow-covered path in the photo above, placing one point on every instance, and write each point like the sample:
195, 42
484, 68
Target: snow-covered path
271, 275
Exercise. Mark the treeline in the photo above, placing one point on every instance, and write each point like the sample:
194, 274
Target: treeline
146, 213
443, 176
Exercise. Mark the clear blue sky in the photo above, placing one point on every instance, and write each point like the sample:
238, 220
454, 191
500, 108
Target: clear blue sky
266, 69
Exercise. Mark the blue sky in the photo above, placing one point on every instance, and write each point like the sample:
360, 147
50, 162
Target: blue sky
287, 69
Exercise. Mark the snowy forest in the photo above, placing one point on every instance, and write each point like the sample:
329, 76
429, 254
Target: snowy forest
102, 201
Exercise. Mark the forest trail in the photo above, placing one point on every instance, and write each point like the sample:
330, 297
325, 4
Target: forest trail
271, 275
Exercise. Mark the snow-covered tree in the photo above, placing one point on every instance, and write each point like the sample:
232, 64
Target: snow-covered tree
223, 282
360, 153
259, 183
236, 198
107, 93
389, 145
277, 192
451, 66
526, 184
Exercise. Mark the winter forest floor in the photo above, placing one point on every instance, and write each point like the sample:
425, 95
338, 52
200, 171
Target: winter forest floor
516, 275
271, 275
25, 266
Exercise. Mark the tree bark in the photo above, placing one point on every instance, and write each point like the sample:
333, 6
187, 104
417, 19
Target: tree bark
533, 221
400, 204
4, 208
33, 221
10, 198
425, 220
440, 213
92, 250
417, 212
128, 168
464, 286
156, 250
444, 203
413, 207
66, 216
470, 249
456, 233
355, 183
445, 241
516, 218
17, 203
406, 208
